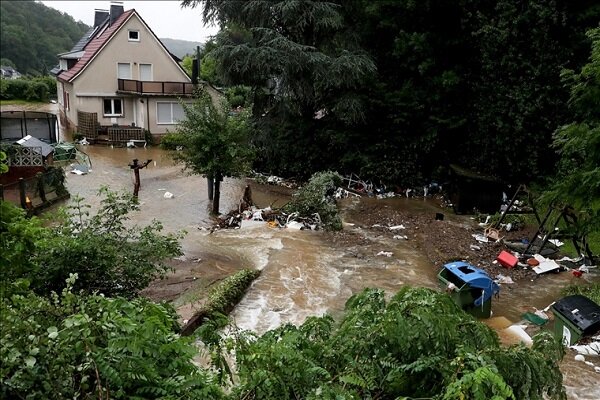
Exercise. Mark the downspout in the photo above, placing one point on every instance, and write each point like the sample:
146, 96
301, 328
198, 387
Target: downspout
135, 112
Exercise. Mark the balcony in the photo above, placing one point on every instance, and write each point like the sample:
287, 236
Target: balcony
152, 88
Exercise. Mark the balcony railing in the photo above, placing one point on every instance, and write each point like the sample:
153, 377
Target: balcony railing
155, 88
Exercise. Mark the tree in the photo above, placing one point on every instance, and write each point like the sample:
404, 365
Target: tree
577, 181
109, 256
213, 141
33, 34
417, 345
77, 346
303, 67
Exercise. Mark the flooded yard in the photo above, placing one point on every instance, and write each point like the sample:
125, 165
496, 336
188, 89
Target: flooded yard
303, 272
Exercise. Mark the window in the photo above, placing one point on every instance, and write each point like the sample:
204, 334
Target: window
134, 36
67, 105
113, 107
169, 113
145, 72
124, 70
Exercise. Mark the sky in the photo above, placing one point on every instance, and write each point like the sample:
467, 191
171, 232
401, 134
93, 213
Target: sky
166, 18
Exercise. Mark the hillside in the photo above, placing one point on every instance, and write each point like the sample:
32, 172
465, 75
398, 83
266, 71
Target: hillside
33, 34
181, 47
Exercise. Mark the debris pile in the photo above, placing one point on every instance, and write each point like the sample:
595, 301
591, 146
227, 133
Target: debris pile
268, 179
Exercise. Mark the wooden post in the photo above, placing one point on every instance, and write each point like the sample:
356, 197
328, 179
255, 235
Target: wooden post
135, 166
22, 194
1, 192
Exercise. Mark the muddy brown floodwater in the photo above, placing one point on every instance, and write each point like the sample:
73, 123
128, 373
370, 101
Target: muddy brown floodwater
304, 273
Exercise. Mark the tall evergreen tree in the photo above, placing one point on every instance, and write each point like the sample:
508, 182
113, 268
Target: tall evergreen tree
303, 71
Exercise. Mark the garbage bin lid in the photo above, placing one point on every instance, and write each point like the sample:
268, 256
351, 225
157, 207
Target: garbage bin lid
580, 311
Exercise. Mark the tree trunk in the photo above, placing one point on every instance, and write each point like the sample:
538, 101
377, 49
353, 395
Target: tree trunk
217, 195
210, 184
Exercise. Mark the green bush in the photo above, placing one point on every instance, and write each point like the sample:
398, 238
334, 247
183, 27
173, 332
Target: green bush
30, 89
419, 344
71, 346
109, 255
317, 197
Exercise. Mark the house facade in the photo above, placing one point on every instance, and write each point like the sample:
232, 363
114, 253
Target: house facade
123, 73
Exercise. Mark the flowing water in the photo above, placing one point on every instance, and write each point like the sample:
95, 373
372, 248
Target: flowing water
304, 273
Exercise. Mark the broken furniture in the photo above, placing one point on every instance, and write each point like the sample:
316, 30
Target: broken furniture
575, 317
470, 287
547, 227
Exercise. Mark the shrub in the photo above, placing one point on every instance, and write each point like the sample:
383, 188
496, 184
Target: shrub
110, 257
317, 197
73, 346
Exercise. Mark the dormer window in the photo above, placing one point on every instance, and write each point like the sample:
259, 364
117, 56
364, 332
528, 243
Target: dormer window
134, 36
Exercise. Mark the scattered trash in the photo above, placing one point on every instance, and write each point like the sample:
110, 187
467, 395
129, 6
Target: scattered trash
250, 223
579, 357
83, 142
519, 332
487, 220
394, 228
507, 259
534, 318
480, 238
342, 193
475, 247
505, 280
492, 233
168, 195
401, 237
532, 262
384, 253
545, 264
556, 242
295, 225
590, 349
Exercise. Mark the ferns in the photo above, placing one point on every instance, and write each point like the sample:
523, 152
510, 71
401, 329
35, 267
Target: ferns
419, 344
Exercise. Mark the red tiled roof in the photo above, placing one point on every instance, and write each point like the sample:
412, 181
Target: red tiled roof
94, 46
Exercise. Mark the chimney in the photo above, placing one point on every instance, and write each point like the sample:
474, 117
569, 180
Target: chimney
116, 9
99, 17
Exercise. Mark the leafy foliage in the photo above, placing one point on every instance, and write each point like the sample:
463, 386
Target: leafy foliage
396, 90
577, 181
419, 344
299, 62
3, 165
223, 297
212, 142
109, 256
317, 197
74, 346
33, 34
31, 89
